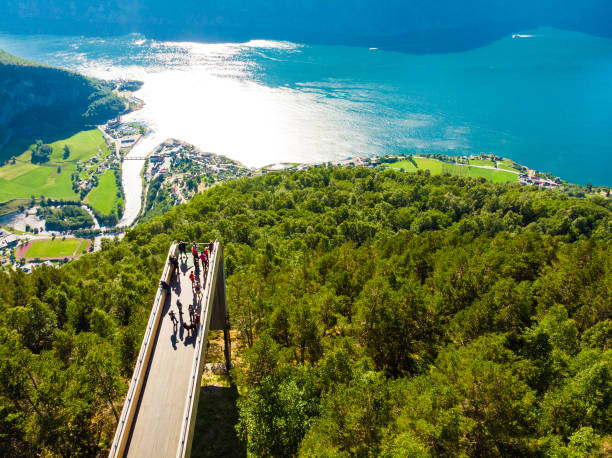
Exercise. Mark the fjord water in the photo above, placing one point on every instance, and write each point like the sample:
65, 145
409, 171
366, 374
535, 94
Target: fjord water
543, 98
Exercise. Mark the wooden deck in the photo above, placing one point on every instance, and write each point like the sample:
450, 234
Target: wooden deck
156, 427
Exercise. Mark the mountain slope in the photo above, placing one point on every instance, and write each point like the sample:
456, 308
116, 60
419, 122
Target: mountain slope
381, 313
45, 102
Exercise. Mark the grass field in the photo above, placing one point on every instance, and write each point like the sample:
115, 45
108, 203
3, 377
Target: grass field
103, 197
437, 167
484, 162
24, 179
434, 166
56, 248
20, 181
506, 164
12, 230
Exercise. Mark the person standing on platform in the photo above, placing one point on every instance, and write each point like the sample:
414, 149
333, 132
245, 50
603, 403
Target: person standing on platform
173, 319
204, 259
182, 249
175, 264
211, 245
192, 278
191, 313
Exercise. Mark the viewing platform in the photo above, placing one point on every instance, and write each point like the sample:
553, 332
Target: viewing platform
158, 416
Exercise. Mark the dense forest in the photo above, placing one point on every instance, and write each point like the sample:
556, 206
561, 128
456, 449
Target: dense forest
46, 102
65, 218
382, 314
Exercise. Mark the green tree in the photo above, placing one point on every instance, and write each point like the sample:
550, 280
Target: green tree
36, 323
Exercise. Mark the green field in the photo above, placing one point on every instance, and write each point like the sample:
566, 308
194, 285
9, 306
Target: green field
103, 197
56, 248
484, 162
506, 164
437, 167
434, 166
24, 179
12, 230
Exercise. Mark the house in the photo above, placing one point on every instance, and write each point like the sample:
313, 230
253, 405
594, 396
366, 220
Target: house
114, 123
8, 241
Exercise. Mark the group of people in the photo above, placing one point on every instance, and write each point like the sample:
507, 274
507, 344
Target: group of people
194, 318
201, 257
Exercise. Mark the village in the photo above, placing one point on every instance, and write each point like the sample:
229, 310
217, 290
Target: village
175, 171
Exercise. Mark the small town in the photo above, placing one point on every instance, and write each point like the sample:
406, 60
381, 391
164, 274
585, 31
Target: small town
183, 170
175, 171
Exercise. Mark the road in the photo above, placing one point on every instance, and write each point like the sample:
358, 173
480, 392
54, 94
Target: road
93, 216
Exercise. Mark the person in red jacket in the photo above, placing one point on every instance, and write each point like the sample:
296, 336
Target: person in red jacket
192, 278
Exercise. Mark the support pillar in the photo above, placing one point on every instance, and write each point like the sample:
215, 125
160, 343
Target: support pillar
220, 317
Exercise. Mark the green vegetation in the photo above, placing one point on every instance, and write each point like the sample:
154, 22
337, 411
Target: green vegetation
59, 178
382, 314
437, 167
217, 416
24, 179
12, 230
56, 248
106, 199
40, 153
48, 103
158, 199
509, 165
65, 218
482, 162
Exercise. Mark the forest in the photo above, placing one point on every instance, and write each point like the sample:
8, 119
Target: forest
65, 218
379, 313
49, 103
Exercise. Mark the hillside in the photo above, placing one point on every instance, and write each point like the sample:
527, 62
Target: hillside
48, 103
415, 26
378, 313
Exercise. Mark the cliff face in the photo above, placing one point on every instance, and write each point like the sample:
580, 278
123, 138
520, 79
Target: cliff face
37, 100
415, 25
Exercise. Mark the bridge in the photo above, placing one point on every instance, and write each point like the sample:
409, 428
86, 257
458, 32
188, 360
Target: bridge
158, 416
134, 158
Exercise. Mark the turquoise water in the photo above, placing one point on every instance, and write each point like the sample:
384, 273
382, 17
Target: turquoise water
543, 99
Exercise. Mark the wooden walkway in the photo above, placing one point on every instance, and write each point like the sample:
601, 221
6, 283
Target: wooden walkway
158, 416
156, 428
